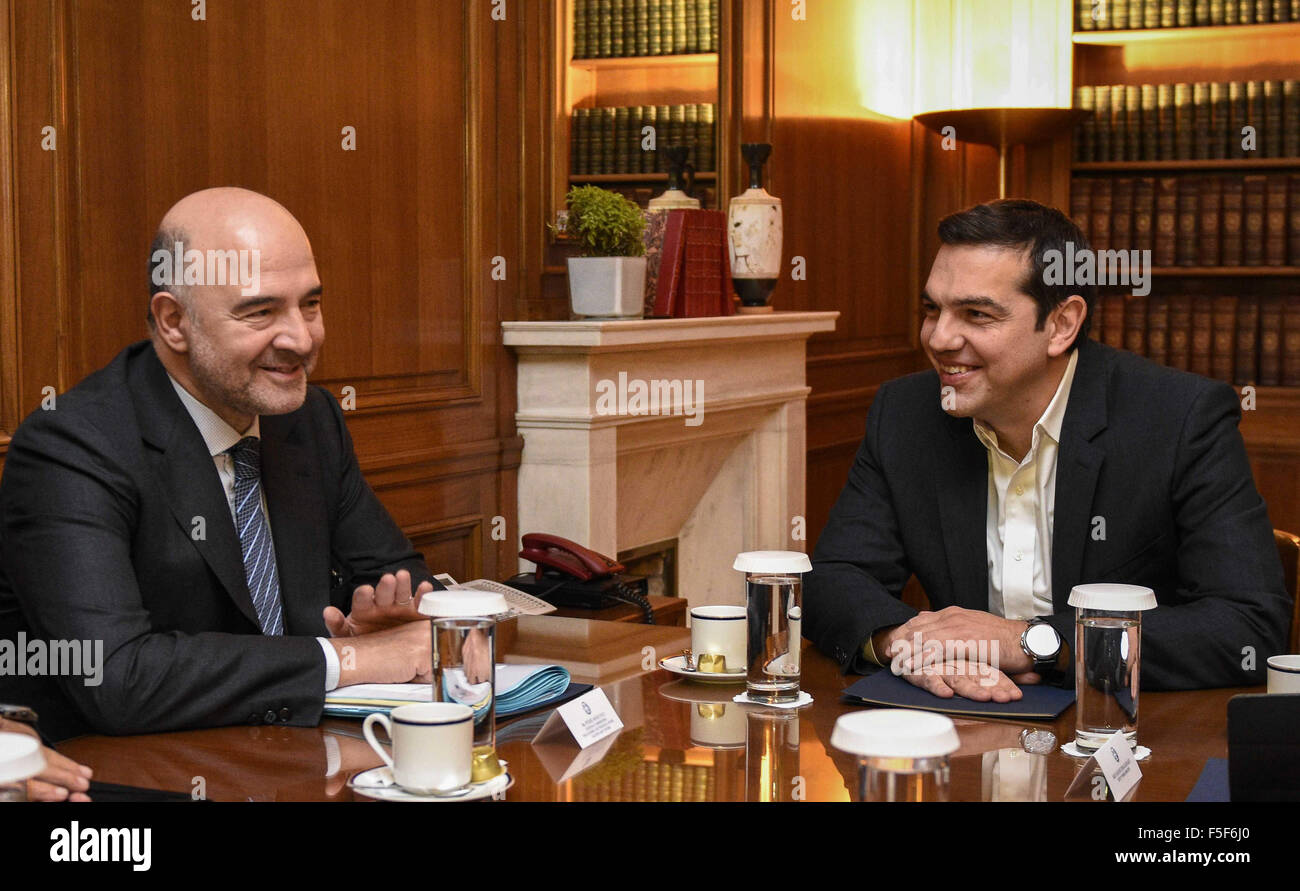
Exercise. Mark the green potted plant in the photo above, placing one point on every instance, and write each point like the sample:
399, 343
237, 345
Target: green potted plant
608, 280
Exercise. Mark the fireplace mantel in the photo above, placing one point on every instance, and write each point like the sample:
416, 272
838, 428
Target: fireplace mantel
730, 478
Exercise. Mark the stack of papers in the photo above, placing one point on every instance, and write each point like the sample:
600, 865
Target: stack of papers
518, 687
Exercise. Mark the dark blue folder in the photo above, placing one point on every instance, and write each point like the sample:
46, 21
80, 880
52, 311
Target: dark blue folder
1213, 783
1042, 703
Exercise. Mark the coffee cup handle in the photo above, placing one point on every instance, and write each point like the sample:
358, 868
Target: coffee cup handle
367, 730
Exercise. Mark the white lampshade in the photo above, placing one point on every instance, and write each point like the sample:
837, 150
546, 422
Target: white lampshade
918, 56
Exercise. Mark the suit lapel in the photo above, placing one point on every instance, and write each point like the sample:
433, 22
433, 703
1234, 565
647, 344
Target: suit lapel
1078, 464
293, 501
190, 478
962, 481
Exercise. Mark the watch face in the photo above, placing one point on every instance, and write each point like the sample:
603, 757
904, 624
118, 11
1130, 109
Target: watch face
1043, 641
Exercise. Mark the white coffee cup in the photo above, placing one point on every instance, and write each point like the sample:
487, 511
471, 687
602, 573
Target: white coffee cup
1284, 674
720, 630
433, 745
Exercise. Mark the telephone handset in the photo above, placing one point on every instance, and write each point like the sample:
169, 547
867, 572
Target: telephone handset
551, 551
570, 575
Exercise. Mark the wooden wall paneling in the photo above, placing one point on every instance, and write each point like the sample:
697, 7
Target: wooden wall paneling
843, 174
35, 334
150, 105
9, 399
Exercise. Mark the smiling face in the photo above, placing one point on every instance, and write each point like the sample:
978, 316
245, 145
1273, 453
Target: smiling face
979, 334
241, 354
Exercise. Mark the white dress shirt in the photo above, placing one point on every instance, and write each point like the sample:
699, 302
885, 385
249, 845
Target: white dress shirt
220, 436
1021, 508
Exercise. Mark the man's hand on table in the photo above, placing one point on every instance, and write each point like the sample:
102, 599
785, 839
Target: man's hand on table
945, 669
62, 780
399, 655
378, 607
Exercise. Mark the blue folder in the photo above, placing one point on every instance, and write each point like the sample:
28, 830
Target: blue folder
1213, 783
1040, 702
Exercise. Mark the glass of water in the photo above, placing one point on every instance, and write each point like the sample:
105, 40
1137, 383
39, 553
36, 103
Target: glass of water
21, 759
902, 753
464, 663
1107, 660
774, 602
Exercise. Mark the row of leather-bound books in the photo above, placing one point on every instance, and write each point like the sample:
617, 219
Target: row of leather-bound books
614, 140
620, 28
1193, 219
1237, 339
1116, 15
1188, 121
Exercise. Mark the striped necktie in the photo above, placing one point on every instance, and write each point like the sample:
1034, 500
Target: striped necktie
255, 535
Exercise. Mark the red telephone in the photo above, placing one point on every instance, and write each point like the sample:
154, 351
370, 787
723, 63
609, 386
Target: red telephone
570, 575
572, 559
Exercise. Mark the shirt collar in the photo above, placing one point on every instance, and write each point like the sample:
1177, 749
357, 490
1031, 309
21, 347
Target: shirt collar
1053, 416
217, 434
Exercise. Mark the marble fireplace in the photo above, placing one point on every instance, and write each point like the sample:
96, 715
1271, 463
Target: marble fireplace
655, 430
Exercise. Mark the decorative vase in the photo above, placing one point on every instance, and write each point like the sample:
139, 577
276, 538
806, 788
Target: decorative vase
607, 287
674, 196
754, 227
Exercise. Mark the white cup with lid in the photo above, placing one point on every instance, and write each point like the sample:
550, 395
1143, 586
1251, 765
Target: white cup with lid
1107, 660
902, 753
21, 758
464, 624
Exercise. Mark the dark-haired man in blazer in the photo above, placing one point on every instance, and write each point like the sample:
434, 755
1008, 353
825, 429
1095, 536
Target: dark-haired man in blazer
1030, 460
190, 504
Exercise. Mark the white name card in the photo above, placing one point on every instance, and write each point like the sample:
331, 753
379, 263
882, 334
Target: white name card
587, 719
1118, 765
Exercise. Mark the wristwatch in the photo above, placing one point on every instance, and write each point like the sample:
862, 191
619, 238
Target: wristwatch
20, 713
1042, 644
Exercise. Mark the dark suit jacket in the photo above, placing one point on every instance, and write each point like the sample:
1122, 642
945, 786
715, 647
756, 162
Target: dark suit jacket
98, 505
1154, 452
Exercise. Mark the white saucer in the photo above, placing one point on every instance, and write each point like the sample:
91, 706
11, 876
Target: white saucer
677, 665
804, 698
378, 783
1141, 753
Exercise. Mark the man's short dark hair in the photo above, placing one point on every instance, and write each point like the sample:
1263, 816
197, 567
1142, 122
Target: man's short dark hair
163, 240
1021, 224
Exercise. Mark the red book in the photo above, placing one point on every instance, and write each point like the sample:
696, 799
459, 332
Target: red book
671, 265
705, 234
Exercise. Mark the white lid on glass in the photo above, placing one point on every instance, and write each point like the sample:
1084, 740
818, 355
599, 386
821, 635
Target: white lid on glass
21, 757
772, 561
463, 603
1111, 596
895, 733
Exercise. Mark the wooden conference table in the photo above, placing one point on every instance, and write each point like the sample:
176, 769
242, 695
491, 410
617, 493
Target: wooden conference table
682, 742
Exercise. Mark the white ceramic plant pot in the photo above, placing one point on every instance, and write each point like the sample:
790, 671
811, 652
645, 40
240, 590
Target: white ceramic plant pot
607, 287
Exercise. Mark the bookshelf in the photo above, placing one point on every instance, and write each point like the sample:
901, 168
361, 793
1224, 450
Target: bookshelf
1191, 36
1189, 164
605, 94
1254, 340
